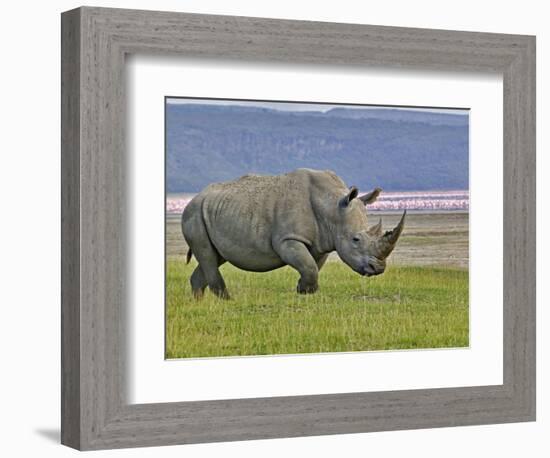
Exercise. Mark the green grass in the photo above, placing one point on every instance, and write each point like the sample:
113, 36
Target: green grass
405, 308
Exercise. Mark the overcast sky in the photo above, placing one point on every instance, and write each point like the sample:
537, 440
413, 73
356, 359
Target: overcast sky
285, 106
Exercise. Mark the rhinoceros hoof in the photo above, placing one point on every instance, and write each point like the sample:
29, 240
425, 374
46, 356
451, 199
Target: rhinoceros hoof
306, 289
198, 294
224, 295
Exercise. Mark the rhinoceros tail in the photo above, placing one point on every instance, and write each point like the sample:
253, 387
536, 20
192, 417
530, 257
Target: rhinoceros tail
189, 256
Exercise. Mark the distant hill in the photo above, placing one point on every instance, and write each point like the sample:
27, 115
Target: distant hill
394, 114
398, 150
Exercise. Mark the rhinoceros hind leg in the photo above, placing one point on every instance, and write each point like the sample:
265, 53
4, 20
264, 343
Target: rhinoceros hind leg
207, 272
198, 283
209, 261
217, 285
296, 254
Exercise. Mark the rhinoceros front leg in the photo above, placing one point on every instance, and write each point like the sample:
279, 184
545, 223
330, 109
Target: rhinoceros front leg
296, 254
321, 261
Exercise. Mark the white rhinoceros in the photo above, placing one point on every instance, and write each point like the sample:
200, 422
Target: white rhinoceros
260, 223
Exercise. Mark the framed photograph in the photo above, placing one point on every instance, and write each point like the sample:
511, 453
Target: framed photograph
257, 185
277, 228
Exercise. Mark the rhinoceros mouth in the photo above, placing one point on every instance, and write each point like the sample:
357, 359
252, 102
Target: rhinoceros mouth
368, 271
371, 274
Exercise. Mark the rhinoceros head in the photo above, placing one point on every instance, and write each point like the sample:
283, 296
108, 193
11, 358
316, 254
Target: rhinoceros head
362, 248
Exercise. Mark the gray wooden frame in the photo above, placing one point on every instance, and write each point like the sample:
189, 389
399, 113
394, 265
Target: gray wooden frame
95, 413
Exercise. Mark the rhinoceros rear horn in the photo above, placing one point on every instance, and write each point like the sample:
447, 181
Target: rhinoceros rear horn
376, 230
386, 243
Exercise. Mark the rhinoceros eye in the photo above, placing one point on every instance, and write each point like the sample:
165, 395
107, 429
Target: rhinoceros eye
355, 239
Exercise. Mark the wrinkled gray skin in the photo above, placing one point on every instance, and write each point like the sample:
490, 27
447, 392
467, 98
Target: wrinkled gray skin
261, 223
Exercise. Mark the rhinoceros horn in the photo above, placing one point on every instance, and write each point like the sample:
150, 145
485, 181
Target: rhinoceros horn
386, 243
376, 230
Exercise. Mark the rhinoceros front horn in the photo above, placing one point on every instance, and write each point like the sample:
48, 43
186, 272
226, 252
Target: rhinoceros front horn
385, 244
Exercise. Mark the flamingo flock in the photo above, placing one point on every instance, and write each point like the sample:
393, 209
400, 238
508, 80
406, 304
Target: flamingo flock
429, 201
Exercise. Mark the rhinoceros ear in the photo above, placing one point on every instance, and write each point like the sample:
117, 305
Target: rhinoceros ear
352, 194
370, 197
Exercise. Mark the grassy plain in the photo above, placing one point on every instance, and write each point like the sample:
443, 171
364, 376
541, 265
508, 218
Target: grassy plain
421, 301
